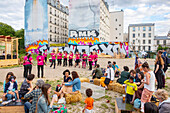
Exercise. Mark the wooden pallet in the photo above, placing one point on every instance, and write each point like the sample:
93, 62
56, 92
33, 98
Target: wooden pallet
12, 109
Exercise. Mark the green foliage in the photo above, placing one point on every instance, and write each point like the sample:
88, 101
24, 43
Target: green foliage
162, 48
104, 106
20, 34
6, 30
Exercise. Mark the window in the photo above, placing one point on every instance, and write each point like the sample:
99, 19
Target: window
138, 34
149, 34
139, 48
55, 38
50, 10
143, 41
139, 41
116, 20
133, 41
50, 19
144, 48
149, 28
149, 48
164, 42
133, 35
116, 37
144, 28
55, 21
143, 35
149, 41
55, 12
133, 28
55, 29
50, 28
115, 28
157, 42
119, 24
138, 28
119, 33
133, 47
50, 37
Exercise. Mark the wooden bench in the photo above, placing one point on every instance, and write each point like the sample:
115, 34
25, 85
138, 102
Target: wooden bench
12, 109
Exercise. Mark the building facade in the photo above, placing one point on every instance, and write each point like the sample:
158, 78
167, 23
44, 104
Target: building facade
57, 23
116, 26
164, 41
104, 22
141, 37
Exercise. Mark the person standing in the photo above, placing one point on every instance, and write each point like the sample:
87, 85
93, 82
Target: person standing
90, 60
159, 65
77, 62
25, 67
149, 85
53, 55
40, 64
71, 59
59, 58
84, 57
95, 58
45, 56
28, 64
65, 59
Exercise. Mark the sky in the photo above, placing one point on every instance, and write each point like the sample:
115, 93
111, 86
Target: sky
135, 11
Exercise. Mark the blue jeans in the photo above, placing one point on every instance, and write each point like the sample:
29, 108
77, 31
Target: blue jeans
9, 96
27, 106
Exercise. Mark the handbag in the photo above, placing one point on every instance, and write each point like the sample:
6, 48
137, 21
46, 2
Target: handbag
107, 80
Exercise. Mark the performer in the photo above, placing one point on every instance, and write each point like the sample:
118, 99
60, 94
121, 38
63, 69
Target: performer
40, 64
45, 56
95, 56
53, 55
65, 59
84, 58
77, 62
25, 67
71, 59
90, 60
28, 63
59, 58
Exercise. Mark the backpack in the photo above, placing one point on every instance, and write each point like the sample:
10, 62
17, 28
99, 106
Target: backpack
137, 103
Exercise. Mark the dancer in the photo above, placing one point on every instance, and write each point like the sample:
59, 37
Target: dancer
65, 59
77, 62
95, 58
59, 58
90, 60
28, 64
84, 58
45, 56
53, 55
71, 59
40, 64
25, 67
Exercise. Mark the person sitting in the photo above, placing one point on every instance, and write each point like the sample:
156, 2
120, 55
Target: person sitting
34, 93
116, 69
89, 102
164, 105
26, 85
124, 75
151, 108
72, 87
97, 72
131, 88
43, 104
109, 77
137, 80
11, 89
67, 78
138, 93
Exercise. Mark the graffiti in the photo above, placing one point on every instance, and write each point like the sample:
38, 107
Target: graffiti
36, 24
57, 45
92, 33
106, 48
83, 41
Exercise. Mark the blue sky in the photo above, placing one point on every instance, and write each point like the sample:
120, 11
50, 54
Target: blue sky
135, 11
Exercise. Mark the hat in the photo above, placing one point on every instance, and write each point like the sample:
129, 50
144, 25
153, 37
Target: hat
66, 71
40, 83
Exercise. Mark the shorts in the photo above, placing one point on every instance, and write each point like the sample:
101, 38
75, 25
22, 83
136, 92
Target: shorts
77, 61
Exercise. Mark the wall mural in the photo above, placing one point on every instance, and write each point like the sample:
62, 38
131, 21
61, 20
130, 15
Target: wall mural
84, 26
36, 24
105, 47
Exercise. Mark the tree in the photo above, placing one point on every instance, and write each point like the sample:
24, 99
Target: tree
6, 30
20, 34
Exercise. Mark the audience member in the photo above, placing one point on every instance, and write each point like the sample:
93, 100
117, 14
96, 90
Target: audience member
150, 108
124, 75
97, 72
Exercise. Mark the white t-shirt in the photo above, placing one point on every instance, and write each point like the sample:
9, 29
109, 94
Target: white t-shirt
112, 73
151, 86
11, 86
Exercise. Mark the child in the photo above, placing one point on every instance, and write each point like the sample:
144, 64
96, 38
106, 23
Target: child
133, 73
131, 88
11, 89
26, 85
89, 102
